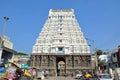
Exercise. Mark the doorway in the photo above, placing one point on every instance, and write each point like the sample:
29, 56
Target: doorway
60, 66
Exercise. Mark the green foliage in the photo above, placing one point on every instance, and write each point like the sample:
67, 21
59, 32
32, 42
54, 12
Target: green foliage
99, 52
20, 53
101, 63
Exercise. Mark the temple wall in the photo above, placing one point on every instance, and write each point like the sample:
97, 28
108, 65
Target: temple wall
73, 63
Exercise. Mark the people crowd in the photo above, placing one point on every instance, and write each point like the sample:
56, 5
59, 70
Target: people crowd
21, 74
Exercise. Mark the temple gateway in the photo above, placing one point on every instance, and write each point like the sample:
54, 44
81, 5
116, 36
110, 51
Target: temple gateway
61, 47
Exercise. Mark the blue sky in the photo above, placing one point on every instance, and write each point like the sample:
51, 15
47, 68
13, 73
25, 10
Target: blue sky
99, 21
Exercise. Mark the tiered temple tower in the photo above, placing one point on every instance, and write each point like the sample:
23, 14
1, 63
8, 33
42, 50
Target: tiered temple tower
61, 47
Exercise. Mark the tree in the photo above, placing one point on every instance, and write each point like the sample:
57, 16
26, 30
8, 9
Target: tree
20, 53
101, 63
99, 52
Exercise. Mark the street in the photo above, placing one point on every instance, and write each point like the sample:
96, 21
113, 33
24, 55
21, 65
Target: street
63, 78
60, 78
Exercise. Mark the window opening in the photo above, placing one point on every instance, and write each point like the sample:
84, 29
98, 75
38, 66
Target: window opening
60, 41
61, 29
60, 33
60, 48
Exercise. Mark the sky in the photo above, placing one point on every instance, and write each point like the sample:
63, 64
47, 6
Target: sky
99, 20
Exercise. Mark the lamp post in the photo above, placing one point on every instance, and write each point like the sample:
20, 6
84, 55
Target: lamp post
92, 44
94, 51
6, 18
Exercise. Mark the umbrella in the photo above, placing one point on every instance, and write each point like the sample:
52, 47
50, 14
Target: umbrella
15, 59
88, 75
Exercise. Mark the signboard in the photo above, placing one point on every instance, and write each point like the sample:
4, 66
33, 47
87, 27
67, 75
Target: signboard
11, 70
0, 53
11, 73
24, 66
2, 69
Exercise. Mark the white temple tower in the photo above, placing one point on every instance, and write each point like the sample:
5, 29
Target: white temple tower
61, 33
61, 40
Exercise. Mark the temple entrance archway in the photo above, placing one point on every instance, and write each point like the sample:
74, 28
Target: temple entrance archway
60, 66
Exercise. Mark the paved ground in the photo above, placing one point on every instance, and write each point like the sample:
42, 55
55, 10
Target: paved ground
65, 78
58, 78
